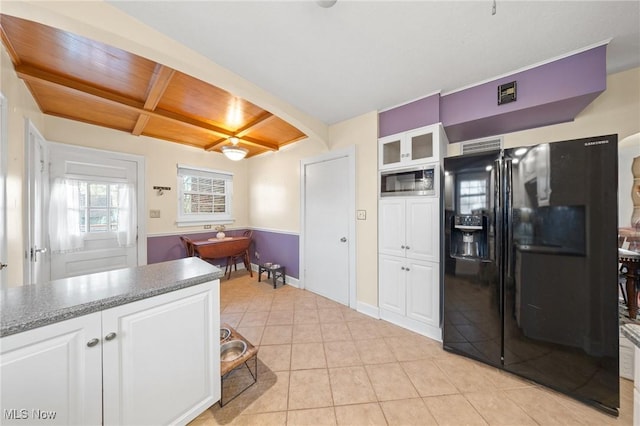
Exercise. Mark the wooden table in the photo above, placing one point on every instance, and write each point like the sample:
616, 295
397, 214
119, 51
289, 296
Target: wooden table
630, 261
224, 248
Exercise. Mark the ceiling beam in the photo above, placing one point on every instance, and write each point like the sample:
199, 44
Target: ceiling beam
157, 86
30, 73
265, 116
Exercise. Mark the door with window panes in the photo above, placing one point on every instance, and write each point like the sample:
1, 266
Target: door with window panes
92, 213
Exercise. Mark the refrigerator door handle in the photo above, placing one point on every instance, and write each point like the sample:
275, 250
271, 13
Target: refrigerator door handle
508, 220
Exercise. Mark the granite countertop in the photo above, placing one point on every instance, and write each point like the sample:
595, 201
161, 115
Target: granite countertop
31, 306
632, 331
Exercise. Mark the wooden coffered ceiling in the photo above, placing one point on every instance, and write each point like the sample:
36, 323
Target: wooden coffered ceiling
80, 79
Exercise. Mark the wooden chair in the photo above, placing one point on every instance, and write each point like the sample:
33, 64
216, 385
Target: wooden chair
188, 245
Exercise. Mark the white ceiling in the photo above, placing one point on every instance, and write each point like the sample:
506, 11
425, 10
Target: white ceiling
359, 56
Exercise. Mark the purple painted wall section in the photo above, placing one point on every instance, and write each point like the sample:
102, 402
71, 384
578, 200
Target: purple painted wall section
551, 93
276, 247
548, 94
273, 247
161, 249
416, 114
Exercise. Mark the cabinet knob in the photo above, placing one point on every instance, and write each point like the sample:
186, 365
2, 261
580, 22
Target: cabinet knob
110, 336
407, 247
402, 268
407, 269
402, 247
91, 343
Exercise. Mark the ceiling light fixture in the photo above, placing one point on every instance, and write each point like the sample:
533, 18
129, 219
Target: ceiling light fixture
326, 3
234, 152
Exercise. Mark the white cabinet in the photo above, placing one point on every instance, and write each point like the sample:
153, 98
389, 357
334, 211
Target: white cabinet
154, 361
410, 294
409, 273
410, 227
413, 147
50, 373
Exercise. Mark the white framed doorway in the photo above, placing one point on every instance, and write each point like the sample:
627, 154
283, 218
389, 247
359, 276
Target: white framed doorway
108, 234
36, 267
328, 237
3, 192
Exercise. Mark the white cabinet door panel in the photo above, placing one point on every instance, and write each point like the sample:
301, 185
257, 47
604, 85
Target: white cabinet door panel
162, 366
423, 292
49, 375
392, 284
392, 227
423, 225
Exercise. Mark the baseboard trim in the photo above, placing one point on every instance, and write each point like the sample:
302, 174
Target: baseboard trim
369, 310
426, 330
293, 282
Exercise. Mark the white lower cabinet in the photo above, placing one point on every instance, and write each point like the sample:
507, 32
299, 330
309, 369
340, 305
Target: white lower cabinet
51, 373
410, 294
154, 361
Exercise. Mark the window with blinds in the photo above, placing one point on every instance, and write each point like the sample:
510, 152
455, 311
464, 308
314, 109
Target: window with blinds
204, 196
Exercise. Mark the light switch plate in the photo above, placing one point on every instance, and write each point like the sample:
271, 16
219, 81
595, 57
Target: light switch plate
154, 214
361, 215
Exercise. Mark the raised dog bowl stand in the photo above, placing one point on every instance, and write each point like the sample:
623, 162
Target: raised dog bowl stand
276, 270
227, 367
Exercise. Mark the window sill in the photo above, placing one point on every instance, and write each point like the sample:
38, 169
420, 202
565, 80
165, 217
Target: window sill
193, 222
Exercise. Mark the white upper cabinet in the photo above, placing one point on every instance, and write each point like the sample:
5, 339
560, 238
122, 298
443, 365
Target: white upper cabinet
423, 145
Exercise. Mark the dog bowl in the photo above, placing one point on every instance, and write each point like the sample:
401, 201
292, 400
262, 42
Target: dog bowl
232, 350
224, 334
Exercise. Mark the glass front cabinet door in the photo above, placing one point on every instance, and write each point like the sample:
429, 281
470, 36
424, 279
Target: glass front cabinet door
422, 145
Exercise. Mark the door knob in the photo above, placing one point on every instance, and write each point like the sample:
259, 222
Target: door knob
3, 265
35, 251
343, 239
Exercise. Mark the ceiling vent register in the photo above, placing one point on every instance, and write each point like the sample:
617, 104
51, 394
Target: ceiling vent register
491, 144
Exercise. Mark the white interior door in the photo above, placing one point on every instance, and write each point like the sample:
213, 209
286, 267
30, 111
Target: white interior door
328, 227
37, 253
3, 192
98, 179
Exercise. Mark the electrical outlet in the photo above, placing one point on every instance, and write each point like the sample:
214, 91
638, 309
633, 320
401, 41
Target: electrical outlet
361, 215
257, 255
154, 214
207, 227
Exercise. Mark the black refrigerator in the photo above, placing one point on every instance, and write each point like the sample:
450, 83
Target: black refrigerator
530, 264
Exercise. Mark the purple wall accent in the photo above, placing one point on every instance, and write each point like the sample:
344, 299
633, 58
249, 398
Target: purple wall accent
279, 248
415, 114
169, 247
273, 247
548, 94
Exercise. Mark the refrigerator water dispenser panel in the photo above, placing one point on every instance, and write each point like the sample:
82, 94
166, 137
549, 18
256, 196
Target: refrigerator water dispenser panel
469, 236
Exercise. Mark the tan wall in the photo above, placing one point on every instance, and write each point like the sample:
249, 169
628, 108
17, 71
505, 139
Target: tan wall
362, 132
20, 106
274, 186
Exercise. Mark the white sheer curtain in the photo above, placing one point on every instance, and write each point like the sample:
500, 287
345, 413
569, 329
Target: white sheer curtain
64, 216
127, 216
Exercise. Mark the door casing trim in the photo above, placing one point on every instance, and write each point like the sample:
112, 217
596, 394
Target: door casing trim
350, 154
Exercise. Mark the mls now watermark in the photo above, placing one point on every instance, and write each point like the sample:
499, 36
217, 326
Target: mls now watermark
28, 414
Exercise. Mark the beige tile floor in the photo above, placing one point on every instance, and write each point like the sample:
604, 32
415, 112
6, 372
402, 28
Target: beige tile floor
321, 363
